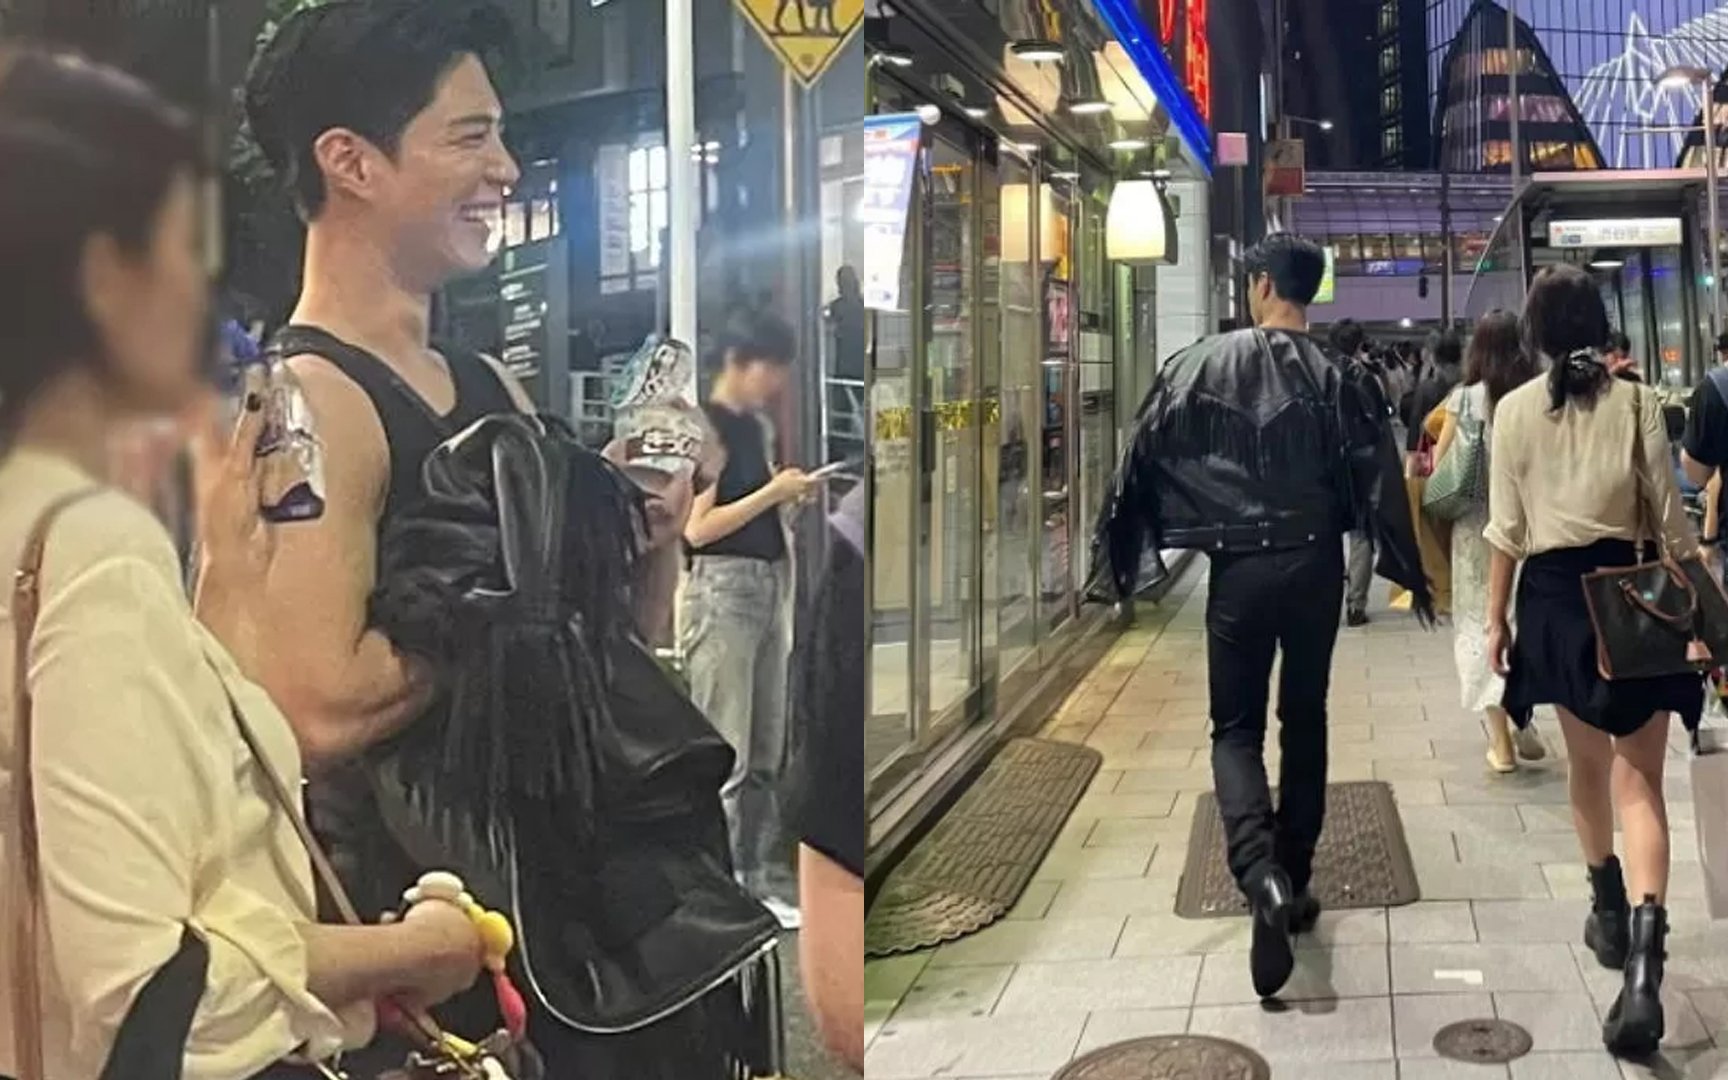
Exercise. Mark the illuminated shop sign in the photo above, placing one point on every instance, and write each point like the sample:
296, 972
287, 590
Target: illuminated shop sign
1197, 58
1184, 29
1175, 57
1615, 232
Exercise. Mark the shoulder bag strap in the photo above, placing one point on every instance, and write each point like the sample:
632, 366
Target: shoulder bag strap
27, 882
1648, 522
285, 800
424, 1027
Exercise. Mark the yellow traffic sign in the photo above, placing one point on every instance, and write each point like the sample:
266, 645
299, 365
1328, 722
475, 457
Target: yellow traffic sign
806, 34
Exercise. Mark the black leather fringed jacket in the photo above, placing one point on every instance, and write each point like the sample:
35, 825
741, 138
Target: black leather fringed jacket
562, 771
1255, 440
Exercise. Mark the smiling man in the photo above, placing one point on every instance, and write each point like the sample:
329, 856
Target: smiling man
380, 117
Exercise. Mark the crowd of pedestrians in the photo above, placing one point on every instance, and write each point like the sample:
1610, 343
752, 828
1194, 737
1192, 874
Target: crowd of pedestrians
1576, 471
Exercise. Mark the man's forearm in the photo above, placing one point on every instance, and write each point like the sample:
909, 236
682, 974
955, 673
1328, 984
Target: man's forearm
371, 696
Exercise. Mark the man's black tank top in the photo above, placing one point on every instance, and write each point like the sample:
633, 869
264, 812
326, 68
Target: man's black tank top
411, 429
341, 803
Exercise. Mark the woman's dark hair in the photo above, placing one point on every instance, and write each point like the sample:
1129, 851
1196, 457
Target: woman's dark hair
370, 66
1566, 322
1496, 357
87, 152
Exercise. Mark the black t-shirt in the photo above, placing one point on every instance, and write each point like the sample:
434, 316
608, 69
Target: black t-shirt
1707, 426
747, 471
831, 697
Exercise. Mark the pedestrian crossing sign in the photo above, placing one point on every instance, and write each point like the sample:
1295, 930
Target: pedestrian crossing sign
806, 34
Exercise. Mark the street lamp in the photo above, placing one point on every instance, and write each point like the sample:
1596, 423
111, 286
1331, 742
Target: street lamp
1323, 125
1675, 78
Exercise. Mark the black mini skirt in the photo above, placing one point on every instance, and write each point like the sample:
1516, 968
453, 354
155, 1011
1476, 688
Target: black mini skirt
1553, 658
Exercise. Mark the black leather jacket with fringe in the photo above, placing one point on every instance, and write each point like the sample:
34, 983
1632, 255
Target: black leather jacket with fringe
1255, 440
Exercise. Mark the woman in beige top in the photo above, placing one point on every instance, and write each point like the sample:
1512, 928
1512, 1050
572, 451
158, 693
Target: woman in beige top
154, 821
1579, 464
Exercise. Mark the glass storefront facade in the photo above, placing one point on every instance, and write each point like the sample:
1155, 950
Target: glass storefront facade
994, 380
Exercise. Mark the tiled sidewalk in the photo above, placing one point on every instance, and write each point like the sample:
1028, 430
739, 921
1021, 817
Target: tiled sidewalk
1094, 954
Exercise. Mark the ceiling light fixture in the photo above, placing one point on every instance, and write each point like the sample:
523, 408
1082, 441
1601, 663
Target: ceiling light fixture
1088, 106
977, 112
1038, 51
1129, 144
893, 56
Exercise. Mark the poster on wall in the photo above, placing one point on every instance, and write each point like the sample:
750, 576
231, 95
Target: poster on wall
891, 144
1058, 318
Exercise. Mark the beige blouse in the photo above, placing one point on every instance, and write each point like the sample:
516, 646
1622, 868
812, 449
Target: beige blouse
1567, 480
153, 815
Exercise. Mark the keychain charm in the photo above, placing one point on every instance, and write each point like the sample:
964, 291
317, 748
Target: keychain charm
497, 938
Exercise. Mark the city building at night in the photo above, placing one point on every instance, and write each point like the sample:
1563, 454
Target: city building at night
1378, 121
1474, 101
1604, 58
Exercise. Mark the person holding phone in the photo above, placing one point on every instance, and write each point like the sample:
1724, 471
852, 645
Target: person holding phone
737, 607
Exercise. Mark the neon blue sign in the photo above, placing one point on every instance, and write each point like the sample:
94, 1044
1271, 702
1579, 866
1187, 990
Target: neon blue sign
1137, 40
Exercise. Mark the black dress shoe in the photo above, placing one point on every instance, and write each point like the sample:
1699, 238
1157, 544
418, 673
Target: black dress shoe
1304, 913
1271, 956
1356, 619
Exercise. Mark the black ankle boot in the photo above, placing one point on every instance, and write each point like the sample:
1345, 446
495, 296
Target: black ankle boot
1271, 956
1635, 1026
1606, 930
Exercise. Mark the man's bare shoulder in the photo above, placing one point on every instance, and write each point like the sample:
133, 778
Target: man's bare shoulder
356, 447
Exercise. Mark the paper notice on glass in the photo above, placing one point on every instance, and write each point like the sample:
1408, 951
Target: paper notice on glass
891, 145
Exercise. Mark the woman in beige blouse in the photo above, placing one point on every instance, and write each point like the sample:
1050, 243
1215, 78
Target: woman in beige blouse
153, 817
1567, 498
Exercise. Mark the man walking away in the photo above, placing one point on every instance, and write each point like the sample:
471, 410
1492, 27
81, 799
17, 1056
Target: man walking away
1260, 449
1350, 342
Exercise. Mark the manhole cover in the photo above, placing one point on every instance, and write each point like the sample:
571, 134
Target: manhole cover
1169, 1057
1486, 1042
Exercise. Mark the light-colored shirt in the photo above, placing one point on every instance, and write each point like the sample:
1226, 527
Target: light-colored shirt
1567, 480
153, 816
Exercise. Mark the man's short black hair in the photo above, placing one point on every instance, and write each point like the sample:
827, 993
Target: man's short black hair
1722, 342
370, 66
1620, 343
762, 336
1296, 266
1446, 348
1348, 337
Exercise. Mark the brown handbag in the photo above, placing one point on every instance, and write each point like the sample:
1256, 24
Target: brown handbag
1661, 618
508, 1056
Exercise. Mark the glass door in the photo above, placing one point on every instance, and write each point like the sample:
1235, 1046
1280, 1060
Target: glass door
950, 616
1018, 487
891, 729
1054, 212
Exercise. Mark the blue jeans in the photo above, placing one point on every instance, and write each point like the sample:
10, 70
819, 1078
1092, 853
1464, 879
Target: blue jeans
737, 636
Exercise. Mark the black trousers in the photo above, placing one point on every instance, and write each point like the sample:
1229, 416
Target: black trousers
1258, 604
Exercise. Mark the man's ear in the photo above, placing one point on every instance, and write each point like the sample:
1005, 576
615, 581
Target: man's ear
345, 159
